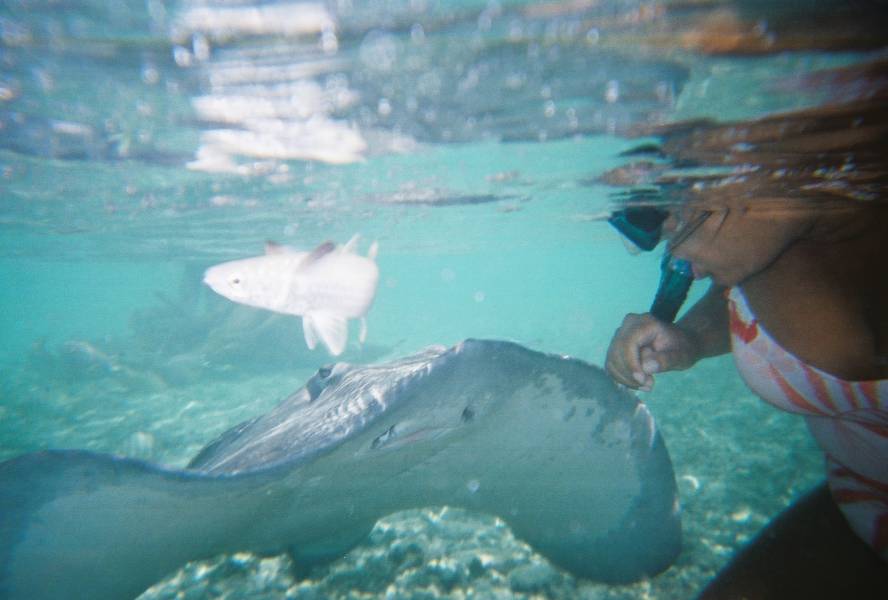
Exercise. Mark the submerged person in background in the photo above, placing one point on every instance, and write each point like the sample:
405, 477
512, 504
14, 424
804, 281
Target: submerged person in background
795, 245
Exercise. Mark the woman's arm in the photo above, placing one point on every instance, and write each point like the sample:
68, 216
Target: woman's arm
707, 324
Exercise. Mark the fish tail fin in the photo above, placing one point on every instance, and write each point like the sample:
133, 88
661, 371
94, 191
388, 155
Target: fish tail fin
329, 328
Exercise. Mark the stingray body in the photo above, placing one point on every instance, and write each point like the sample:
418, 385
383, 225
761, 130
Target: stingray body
572, 463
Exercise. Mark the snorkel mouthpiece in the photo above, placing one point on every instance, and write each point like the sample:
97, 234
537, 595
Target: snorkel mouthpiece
643, 226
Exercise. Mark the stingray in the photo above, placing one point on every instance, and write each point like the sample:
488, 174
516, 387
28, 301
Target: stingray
574, 465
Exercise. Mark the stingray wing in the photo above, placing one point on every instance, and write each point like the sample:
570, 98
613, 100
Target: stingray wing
78, 525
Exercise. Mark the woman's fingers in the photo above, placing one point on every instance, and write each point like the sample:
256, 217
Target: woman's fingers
624, 356
650, 363
643, 346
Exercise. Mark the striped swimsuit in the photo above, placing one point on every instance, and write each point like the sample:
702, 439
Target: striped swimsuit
849, 420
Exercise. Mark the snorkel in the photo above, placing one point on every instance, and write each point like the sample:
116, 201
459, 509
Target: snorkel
676, 278
643, 226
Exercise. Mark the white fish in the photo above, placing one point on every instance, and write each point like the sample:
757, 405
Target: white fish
326, 287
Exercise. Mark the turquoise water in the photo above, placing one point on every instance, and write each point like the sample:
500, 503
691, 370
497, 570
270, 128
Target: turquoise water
482, 130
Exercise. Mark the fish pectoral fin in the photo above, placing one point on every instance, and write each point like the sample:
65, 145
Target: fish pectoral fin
330, 328
308, 330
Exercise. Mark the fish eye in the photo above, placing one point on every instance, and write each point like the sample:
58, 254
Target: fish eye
325, 372
235, 280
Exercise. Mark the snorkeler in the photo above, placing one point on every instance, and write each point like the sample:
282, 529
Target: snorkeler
787, 215
800, 295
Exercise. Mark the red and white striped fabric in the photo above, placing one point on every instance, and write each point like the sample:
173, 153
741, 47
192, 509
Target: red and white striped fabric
849, 419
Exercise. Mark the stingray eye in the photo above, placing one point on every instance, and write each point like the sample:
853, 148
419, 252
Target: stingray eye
324, 372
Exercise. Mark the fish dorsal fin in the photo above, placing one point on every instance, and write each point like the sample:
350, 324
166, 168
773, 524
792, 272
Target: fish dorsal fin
374, 250
351, 244
329, 328
276, 248
317, 254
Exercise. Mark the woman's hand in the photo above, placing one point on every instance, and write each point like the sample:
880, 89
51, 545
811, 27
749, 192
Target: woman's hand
644, 345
